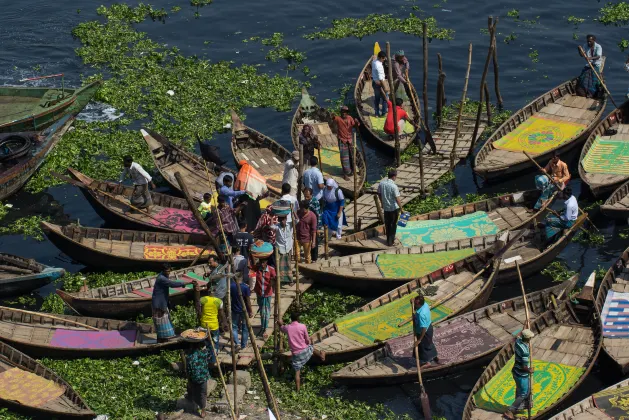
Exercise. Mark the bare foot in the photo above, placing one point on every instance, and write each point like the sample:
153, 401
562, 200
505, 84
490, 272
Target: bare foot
508, 415
202, 414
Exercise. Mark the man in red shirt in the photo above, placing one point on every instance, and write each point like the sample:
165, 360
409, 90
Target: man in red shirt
343, 128
265, 276
306, 229
402, 117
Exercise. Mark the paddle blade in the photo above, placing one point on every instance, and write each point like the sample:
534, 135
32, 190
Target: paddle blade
376, 48
425, 403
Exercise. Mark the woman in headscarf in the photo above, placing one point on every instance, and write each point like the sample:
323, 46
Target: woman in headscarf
546, 187
333, 214
309, 140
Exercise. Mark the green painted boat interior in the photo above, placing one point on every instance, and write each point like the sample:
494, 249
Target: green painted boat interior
17, 103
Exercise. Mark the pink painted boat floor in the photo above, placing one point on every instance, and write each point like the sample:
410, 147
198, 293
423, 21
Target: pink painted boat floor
180, 220
75, 339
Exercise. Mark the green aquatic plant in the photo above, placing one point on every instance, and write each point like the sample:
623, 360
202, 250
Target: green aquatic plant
27, 226
374, 23
591, 238
510, 38
576, 21
534, 56
53, 304
558, 271
513, 13
623, 44
616, 14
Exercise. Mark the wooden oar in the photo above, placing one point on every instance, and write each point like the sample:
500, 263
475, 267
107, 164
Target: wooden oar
597, 75
43, 315
527, 326
423, 397
558, 187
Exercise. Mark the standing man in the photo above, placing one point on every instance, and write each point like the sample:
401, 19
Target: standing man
313, 178
265, 276
198, 374
244, 239
314, 206
593, 52
379, 84
558, 170
239, 324
141, 196
227, 219
306, 230
401, 67
300, 345
291, 173
219, 285
289, 196
521, 371
212, 316
160, 303
284, 242
227, 191
391, 205
422, 326
342, 127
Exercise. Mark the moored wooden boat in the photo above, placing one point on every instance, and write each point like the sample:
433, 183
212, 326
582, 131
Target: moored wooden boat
557, 114
21, 275
588, 409
117, 249
508, 212
167, 214
170, 159
564, 351
61, 402
605, 179
617, 205
364, 99
462, 342
616, 337
38, 335
129, 299
319, 119
461, 287
361, 272
34, 108
16, 172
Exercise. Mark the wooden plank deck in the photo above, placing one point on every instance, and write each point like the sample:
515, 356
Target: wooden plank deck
246, 356
408, 174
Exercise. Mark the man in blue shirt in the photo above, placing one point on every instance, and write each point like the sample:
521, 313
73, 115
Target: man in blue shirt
391, 205
422, 327
522, 370
238, 314
228, 192
313, 178
159, 303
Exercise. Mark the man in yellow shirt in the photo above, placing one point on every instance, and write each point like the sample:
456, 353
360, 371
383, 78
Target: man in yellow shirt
211, 313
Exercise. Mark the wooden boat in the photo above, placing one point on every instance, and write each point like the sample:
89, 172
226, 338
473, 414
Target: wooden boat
617, 205
616, 279
365, 108
117, 249
588, 409
15, 172
129, 299
361, 272
561, 337
319, 119
67, 405
38, 335
561, 105
508, 212
602, 183
170, 159
21, 275
464, 341
343, 344
34, 108
167, 214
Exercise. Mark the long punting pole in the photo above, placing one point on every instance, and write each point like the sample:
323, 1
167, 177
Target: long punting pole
495, 60
458, 120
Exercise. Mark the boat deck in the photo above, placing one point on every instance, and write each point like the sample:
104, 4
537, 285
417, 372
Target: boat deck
595, 178
618, 348
246, 356
408, 173
570, 108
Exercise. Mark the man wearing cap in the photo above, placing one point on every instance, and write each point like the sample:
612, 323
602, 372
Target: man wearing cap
291, 173
391, 205
521, 371
343, 126
379, 83
401, 67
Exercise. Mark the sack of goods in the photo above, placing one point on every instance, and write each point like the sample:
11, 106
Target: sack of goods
261, 249
250, 180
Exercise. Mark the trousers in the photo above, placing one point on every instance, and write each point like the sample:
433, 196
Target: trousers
390, 225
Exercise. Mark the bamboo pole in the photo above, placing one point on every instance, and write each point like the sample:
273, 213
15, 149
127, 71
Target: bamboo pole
528, 326
487, 101
597, 75
325, 242
423, 397
300, 172
458, 121
355, 181
297, 256
396, 135
419, 143
440, 90
220, 374
425, 92
495, 61
492, 45
276, 314
43, 315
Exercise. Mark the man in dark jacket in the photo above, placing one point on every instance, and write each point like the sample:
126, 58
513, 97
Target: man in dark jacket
159, 302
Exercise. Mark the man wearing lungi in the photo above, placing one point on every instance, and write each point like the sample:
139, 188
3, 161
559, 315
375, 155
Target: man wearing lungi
160, 303
521, 371
141, 196
422, 326
342, 127
554, 225
301, 347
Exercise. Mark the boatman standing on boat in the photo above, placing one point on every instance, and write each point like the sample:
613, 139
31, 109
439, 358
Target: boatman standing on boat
521, 371
422, 326
343, 128
401, 67
588, 84
558, 170
379, 84
160, 303
391, 204
141, 196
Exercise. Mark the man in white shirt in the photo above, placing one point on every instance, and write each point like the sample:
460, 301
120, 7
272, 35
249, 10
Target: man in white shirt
284, 244
378, 83
593, 52
291, 173
141, 196
287, 195
572, 207
554, 226
313, 179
